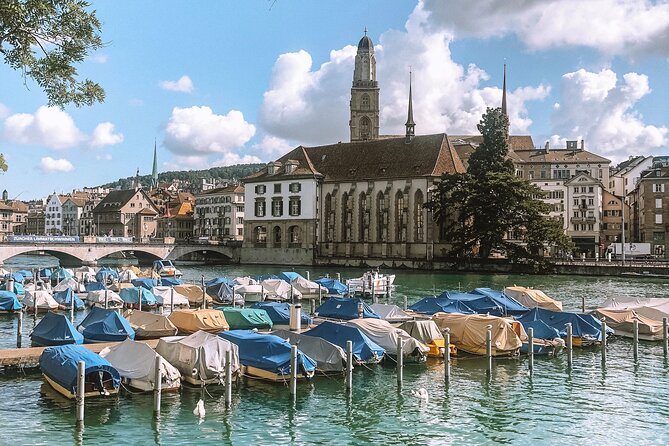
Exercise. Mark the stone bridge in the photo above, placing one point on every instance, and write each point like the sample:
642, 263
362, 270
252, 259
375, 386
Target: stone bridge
90, 253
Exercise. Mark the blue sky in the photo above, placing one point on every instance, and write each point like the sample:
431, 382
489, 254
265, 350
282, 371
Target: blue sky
217, 83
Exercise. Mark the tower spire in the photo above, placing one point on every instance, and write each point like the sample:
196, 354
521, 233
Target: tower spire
410, 125
504, 93
154, 172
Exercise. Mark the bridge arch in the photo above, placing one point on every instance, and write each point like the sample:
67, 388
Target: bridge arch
64, 257
207, 253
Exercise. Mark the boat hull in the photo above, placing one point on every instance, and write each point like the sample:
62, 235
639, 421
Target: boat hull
271, 376
89, 392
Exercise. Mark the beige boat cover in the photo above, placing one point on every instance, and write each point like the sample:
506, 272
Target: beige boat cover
532, 298
193, 293
164, 297
653, 308
40, 298
622, 319
468, 332
150, 325
190, 321
386, 336
424, 331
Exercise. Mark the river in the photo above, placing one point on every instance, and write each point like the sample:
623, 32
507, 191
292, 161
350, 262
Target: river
621, 404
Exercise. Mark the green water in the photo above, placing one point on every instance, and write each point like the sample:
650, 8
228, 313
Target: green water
622, 404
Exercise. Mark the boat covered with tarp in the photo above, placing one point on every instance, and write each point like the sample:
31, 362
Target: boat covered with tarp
468, 333
144, 282
328, 357
55, 329
586, 330
511, 307
345, 308
106, 274
99, 297
41, 299
70, 282
432, 305
66, 297
171, 281
334, 287
102, 325
267, 356
533, 298
18, 288
150, 325
222, 292
427, 332
480, 303
278, 289
200, 357
132, 295
9, 302
59, 367
127, 275
546, 342
136, 363
247, 318
194, 294
365, 351
189, 321
94, 286
167, 296
279, 313
387, 337
307, 288
390, 312
620, 314
60, 274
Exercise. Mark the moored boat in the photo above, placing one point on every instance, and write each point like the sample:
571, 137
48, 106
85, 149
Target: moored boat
247, 318
372, 282
102, 325
328, 356
55, 329
279, 313
98, 298
427, 332
468, 333
586, 330
387, 337
41, 299
167, 296
532, 298
133, 296
150, 325
9, 302
391, 313
345, 308
190, 321
365, 351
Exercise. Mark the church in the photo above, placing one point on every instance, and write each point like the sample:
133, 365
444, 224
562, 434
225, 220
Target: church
355, 203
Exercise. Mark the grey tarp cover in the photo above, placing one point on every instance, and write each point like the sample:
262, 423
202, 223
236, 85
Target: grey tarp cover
150, 325
621, 312
97, 298
201, 351
654, 308
424, 331
278, 289
70, 282
42, 299
307, 287
137, 361
385, 335
391, 313
164, 296
328, 357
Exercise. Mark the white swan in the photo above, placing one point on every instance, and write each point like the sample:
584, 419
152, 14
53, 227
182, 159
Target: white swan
421, 393
199, 410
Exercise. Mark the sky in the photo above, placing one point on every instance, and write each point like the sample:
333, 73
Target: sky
216, 83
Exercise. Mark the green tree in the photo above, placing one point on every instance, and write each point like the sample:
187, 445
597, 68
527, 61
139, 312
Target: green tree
3, 163
478, 209
45, 39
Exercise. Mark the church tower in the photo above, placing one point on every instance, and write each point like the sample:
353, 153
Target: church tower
364, 122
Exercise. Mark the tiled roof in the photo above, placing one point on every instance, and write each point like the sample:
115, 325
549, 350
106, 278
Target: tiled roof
231, 189
559, 156
147, 211
516, 142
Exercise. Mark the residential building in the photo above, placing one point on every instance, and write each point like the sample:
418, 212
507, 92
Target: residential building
126, 213
652, 210
219, 213
13, 218
177, 220
612, 220
583, 200
35, 223
53, 213
624, 177
73, 209
87, 224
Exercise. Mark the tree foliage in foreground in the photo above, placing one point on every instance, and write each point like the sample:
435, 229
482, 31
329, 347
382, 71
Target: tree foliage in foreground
3, 163
45, 39
480, 207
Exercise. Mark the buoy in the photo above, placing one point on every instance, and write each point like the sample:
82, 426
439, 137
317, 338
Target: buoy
421, 393
199, 410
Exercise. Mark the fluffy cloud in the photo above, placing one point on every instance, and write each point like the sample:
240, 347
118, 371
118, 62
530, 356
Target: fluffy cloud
272, 147
49, 164
198, 131
447, 96
49, 126
4, 111
598, 108
104, 135
231, 158
183, 85
609, 26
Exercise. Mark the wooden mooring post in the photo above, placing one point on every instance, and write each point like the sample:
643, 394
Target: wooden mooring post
400, 362
488, 349
81, 391
530, 348
157, 385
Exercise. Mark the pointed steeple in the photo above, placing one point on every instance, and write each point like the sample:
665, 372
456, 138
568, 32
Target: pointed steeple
138, 185
410, 125
504, 94
154, 172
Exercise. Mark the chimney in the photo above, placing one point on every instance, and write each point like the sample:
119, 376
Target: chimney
582, 145
547, 146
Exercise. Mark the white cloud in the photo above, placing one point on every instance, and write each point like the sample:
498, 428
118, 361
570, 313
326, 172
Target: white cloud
99, 58
104, 135
4, 111
104, 157
609, 26
49, 126
49, 164
312, 106
272, 147
183, 85
596, 107
198, 131
231, 158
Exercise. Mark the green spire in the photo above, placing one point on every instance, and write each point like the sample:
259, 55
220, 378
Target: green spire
154, 172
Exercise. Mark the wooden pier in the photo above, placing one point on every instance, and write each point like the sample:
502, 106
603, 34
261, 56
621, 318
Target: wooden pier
29, 357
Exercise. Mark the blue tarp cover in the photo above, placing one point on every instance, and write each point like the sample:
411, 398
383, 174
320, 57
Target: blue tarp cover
266, 352
289, 276
95, 286
145, 283
218, 281
583, 325
480, 303
511, 306
65, 298
364, 349
170, 281
131, 296
345, 308
17, 276
45, 272
279, 312
333, 285
432, 305
60, 364
55, 329
102, 325
60, 274
9, 301
18, 287
105, 272
27, 274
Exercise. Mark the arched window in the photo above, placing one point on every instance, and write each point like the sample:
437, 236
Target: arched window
346, 217
260, 234
276, 236
363, 218
401, 218
329, 217
294, 235
419, 222
364, 102
382, 218
365, 128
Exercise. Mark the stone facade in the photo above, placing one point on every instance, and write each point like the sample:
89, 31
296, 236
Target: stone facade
583, 200
652, 210
364, 122
219, 213
126, 213
13, 218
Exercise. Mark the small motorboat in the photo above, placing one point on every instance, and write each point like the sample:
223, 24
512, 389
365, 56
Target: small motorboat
279, 313
345, 308
194, 294
365, 351
165, 268
267, 356
586, 330
333, 287
132, 296
387, 337
166, 296
99, 297
280, 290
59, 368
136, 363
150, 325
41, 299
247, 318
102, 325
145, 282
372, 282
65, 299
72, 283
307, 288
106, 275
9, 302
190, 321
55, 329
199, 357
427, 332
468, 333
328, 357
533, 298
391, 313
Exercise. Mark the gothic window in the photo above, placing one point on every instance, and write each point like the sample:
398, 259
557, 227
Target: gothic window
364, 102
418, 217
365, 128
363, 222
401, 218
329, 217
346, 217
382, 218
276, 236
260, 234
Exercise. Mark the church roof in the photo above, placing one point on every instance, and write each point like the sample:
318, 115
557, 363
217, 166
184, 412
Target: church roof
365, 43
560, 156
516, 142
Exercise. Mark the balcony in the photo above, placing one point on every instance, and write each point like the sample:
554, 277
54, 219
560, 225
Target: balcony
583, 220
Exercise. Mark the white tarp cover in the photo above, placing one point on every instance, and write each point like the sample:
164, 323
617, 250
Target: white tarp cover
127, 275
468, 332
277, 289
250, 292
391, 313
42, 299
164, 295
305, 286
385, 335
70, 283
328, 357
245, 281
150, 325
532, 298
201, 351
97, 298
137, 361
424, 331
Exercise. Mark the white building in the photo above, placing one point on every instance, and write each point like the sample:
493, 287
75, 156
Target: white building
53, 214
219, 213
626, 175
72, 209
584, 209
